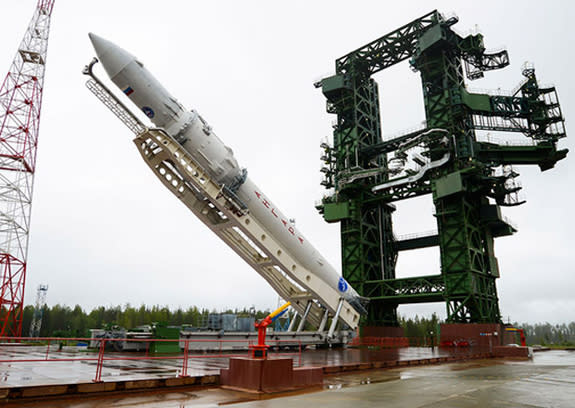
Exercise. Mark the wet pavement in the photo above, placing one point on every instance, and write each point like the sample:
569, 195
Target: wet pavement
546, 381
317, 358
77, 364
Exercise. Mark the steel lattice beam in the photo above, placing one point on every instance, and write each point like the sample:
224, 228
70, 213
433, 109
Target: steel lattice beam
388, 50
20, 105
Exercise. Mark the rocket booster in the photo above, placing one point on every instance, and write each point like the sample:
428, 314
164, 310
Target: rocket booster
195, 135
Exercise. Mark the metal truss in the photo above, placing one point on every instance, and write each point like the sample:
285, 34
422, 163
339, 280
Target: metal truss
20, 104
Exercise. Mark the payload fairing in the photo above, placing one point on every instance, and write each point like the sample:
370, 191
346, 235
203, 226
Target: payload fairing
194, 134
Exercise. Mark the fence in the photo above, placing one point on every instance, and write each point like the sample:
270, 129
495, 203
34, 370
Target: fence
398, 342
104, 355
381, 342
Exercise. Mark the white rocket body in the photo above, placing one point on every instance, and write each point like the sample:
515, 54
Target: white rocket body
196, 136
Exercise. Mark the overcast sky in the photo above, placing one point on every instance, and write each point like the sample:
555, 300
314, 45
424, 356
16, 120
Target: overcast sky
106, 232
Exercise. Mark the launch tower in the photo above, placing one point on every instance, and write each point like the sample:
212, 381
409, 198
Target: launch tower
469, 175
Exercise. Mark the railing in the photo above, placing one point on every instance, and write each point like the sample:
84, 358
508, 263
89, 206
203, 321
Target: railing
404, 132
395, 342
107, 355
415, 235
506, 142
381, 342
493, 92
404, 342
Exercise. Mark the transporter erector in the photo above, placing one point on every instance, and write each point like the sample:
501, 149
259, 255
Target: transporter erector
197, 138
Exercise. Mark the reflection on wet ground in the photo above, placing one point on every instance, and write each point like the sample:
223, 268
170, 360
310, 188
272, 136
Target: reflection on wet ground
63, 370
546, 381
348, 356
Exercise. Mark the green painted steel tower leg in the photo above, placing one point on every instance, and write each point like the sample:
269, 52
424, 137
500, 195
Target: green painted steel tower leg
368, 253
466, 244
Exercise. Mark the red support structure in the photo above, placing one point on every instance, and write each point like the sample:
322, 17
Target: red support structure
186, 358
20, 105
100, 363
13, 281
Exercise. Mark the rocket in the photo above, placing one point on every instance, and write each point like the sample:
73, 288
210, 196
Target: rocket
196, 136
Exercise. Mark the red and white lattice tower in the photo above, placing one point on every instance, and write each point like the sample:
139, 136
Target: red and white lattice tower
20, 103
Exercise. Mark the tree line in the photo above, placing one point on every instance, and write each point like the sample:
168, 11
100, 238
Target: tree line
548, 334
64, 321
420, 327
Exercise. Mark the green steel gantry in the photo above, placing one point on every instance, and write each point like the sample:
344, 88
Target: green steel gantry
469, 178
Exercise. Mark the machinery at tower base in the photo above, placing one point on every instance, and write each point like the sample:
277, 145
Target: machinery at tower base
200, 170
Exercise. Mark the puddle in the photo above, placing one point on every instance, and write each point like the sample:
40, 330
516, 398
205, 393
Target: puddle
335, 382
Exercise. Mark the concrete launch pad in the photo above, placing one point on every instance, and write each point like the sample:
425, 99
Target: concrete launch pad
65, 371
546, 380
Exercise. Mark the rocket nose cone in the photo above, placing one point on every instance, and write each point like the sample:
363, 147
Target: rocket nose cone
112, 57
101, 46
93, 37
